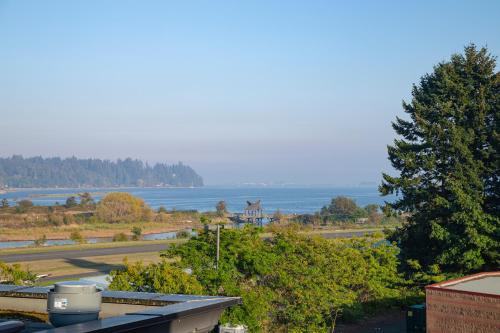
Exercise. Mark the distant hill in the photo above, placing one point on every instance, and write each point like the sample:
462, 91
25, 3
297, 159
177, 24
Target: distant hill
17, 171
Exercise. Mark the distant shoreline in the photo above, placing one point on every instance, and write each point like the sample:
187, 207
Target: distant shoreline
19, 189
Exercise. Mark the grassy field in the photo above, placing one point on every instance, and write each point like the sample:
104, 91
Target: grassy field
58, 222
97, 264
90, 230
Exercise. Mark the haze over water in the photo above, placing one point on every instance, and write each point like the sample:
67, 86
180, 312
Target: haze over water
297, 200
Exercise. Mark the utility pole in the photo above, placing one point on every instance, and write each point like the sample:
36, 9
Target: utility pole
218, 247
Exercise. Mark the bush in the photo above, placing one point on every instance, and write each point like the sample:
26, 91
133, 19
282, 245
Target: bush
289, 282
40, 241
136, 233
120, 237
342, 209
71, 202
77, 237
14, 274
123, 207
161, 278
86, 199
205, 220
221, 208
68, 219
54, 220
4, 203
161, 217
23, 206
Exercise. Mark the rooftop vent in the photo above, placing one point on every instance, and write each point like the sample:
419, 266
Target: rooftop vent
73, 302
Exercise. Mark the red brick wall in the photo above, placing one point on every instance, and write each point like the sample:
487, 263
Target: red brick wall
461, 312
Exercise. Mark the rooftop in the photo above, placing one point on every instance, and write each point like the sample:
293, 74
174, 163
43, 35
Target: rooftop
128, 311
482, 283
253, 205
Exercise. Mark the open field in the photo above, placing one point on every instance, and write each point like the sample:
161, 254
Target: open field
95, 230
58, 222
90, 230
86, 265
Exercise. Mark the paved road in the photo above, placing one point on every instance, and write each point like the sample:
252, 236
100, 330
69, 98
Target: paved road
72, 254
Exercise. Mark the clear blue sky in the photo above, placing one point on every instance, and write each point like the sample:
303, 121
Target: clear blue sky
290, 91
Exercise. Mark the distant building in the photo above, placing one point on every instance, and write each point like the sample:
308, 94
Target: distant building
468, 304
253, 212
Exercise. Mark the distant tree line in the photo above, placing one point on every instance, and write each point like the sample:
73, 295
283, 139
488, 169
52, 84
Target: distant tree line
342, 209
17, 171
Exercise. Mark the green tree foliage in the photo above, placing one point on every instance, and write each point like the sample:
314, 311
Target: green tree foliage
221, 208
160, 277
289, 283
14, 274
71, 202
136, 233
123, 207
4, 203
17, 171
205, 220
342, 209
448, 164
86, 199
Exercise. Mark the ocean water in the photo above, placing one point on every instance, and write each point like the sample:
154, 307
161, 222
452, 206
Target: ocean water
298, 200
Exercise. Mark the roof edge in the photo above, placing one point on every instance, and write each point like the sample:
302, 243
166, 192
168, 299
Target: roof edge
442, 285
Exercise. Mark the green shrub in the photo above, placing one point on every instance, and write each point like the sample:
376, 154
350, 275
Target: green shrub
136, 233
77, 237
161, 277
14, 274
289, 282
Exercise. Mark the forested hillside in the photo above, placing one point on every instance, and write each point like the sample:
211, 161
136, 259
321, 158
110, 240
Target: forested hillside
17, 171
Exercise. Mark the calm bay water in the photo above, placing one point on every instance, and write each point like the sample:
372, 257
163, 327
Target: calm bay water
297, 200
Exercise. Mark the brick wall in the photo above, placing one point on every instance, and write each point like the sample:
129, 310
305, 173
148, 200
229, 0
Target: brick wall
461, 312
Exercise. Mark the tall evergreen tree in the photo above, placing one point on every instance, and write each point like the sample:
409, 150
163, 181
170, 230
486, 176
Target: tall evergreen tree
448, 165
